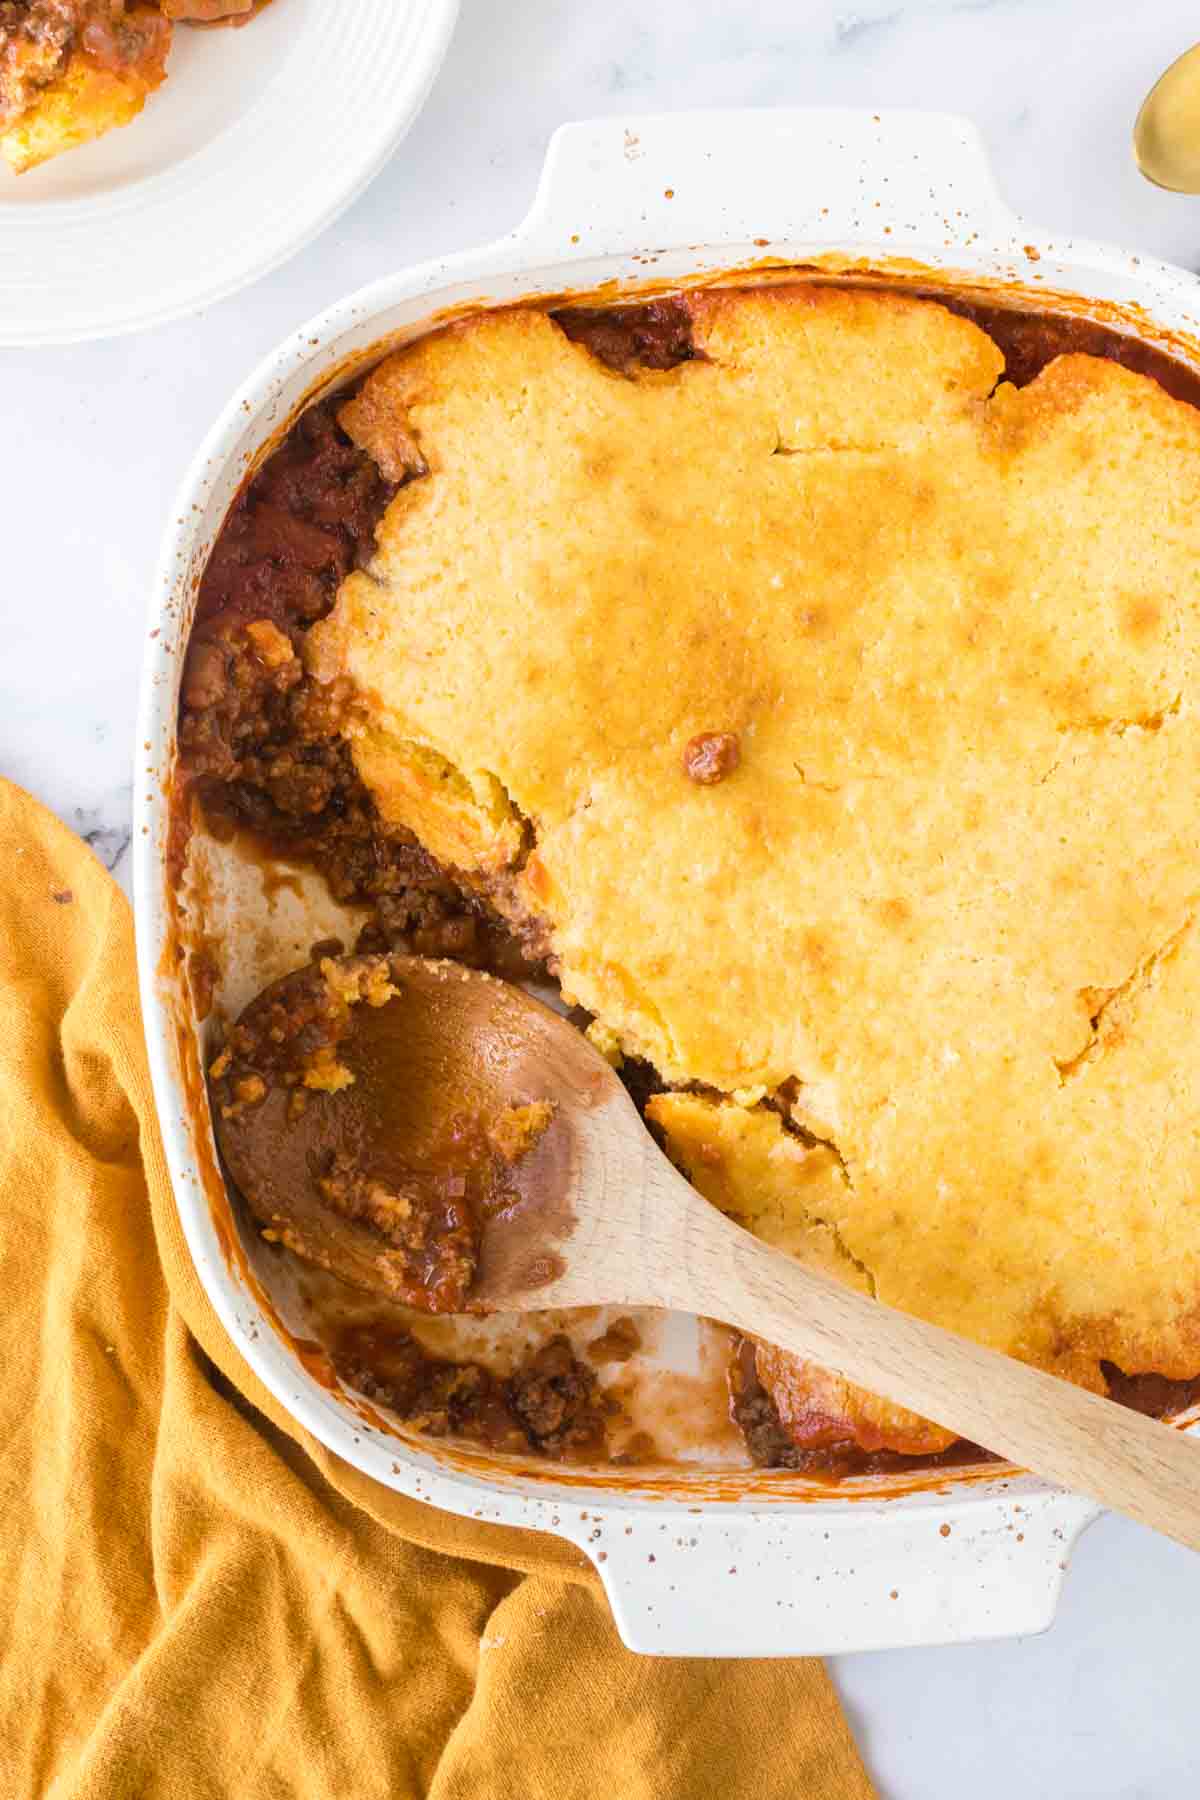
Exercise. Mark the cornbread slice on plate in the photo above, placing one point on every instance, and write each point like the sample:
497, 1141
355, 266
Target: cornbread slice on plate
72, 70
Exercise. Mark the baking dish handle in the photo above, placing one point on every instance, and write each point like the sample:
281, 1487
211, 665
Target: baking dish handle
781, 1583
766, 178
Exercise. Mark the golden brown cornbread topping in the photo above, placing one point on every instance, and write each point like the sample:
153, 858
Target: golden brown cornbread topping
919, 968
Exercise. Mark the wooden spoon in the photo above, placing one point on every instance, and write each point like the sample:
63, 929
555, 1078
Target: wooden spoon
593, 1213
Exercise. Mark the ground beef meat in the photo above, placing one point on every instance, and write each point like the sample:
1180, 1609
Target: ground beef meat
249, 716
641, 1081
756, 1416
711, 756
556, 1399
443, 1399
36, 38
550, 1404
655, 335
261, 749
115, 37
1155, 1395
1030, 340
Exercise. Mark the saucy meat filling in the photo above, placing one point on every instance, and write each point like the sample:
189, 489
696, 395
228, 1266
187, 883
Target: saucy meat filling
550, 1404
260, 742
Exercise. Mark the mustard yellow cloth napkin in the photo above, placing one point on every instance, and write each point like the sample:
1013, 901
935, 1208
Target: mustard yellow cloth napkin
196, 1599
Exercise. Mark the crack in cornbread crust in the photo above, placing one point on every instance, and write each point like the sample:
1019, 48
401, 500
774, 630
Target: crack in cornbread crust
957, 650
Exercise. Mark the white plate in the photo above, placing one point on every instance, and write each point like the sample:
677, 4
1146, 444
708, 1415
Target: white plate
256, 141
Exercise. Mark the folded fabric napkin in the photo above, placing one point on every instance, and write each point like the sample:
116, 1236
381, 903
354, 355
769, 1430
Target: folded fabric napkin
199, 1600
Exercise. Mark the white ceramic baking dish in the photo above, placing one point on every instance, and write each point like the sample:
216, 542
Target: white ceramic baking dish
728, 1564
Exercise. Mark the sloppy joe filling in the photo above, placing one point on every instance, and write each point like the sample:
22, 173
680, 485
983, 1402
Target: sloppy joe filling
263, 753
550, 1405
260, 737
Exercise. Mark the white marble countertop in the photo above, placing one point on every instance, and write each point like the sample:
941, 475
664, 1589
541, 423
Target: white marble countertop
95, 439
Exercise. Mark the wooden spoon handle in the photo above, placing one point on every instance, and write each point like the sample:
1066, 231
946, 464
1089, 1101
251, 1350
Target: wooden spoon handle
1079, 1440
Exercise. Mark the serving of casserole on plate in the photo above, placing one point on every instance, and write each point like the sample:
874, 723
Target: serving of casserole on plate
789, 667
252, 146
70, 70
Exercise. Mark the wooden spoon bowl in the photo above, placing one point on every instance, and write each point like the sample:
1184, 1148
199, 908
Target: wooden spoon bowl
523, 1178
